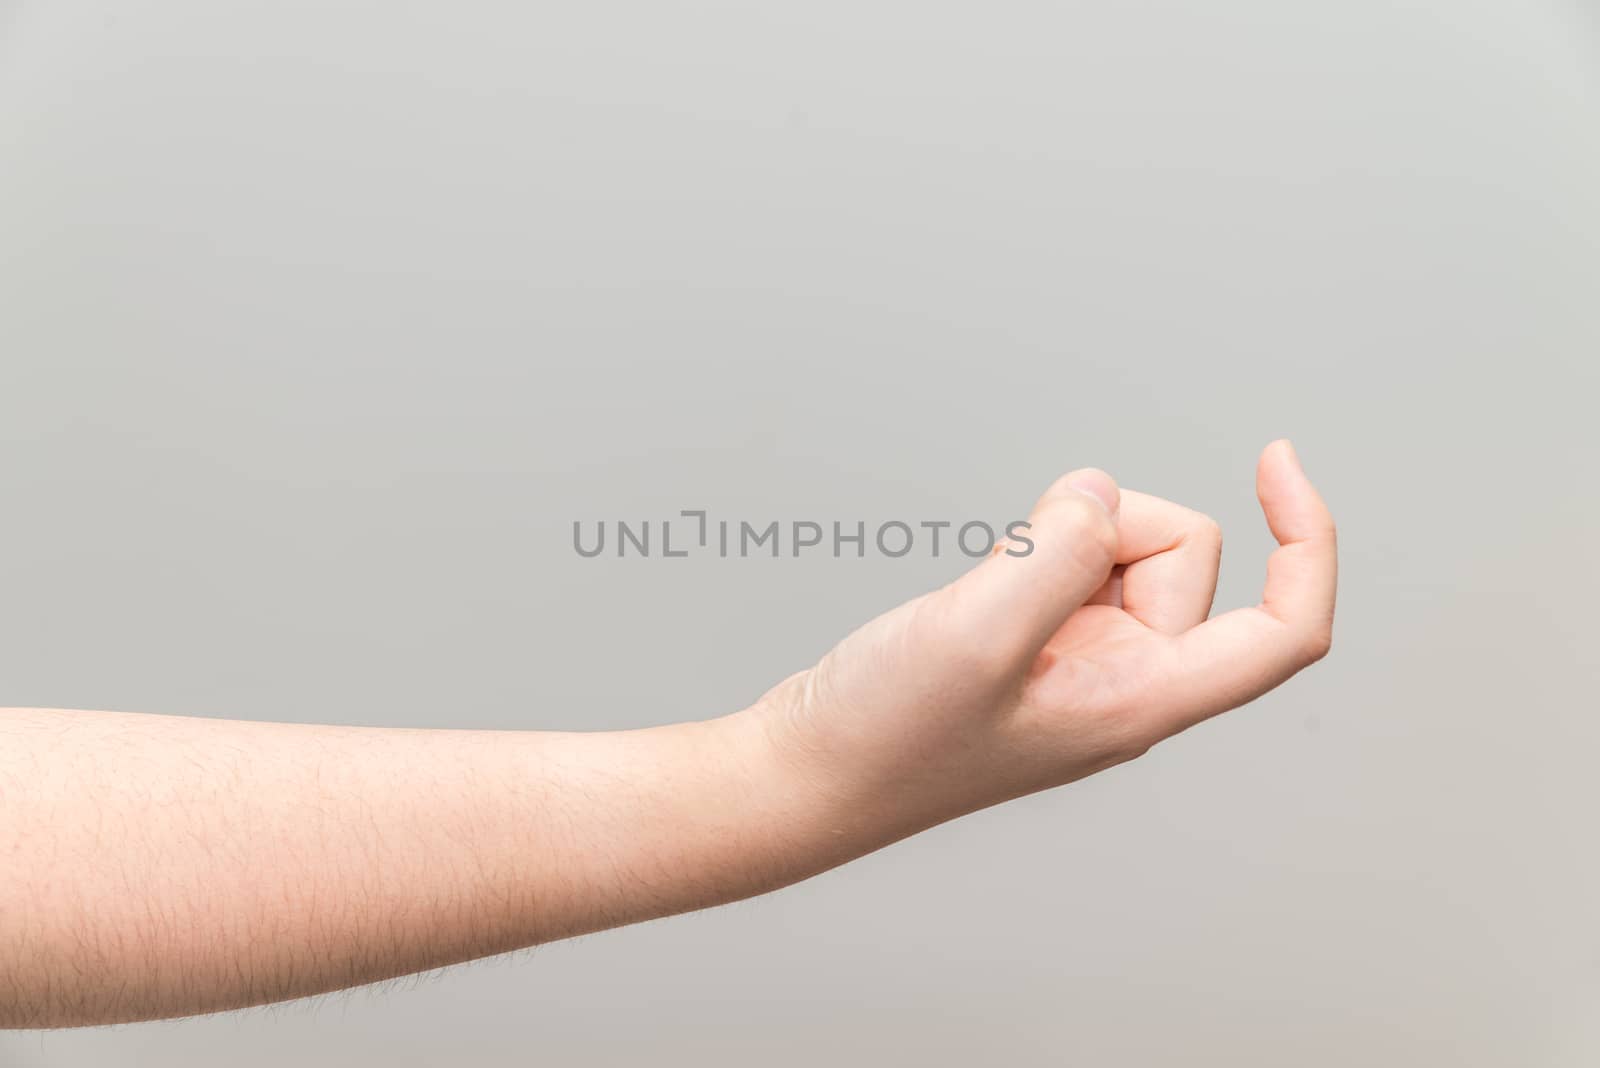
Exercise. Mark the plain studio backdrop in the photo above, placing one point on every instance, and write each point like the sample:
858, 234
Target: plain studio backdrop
320, 324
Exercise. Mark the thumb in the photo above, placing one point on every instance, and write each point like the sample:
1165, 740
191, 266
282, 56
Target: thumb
1022, 594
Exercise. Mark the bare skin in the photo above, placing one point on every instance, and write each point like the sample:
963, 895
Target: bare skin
157, 866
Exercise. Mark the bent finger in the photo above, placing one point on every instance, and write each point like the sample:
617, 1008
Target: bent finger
1242, 654
1172, 555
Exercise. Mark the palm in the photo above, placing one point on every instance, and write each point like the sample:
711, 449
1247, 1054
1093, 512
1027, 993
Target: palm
1100, 659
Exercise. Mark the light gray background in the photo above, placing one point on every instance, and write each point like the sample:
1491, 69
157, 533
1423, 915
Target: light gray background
320, 323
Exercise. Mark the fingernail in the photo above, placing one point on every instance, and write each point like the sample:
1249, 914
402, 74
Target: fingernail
1096, 484
1294, 456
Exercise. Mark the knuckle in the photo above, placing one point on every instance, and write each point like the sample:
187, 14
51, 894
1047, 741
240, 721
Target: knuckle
1116, 734
1317, 643
1207, 531
1130, 745
1086, 527
1125, 740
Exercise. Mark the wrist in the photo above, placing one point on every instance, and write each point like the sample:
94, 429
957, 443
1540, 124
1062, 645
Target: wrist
825, 798
795, 799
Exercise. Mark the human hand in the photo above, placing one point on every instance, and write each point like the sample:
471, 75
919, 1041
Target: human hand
1034, 670
369, 853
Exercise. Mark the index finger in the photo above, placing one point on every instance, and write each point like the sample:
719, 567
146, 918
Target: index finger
1240, 655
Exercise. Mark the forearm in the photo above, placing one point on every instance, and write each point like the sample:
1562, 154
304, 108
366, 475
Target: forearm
156, 866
